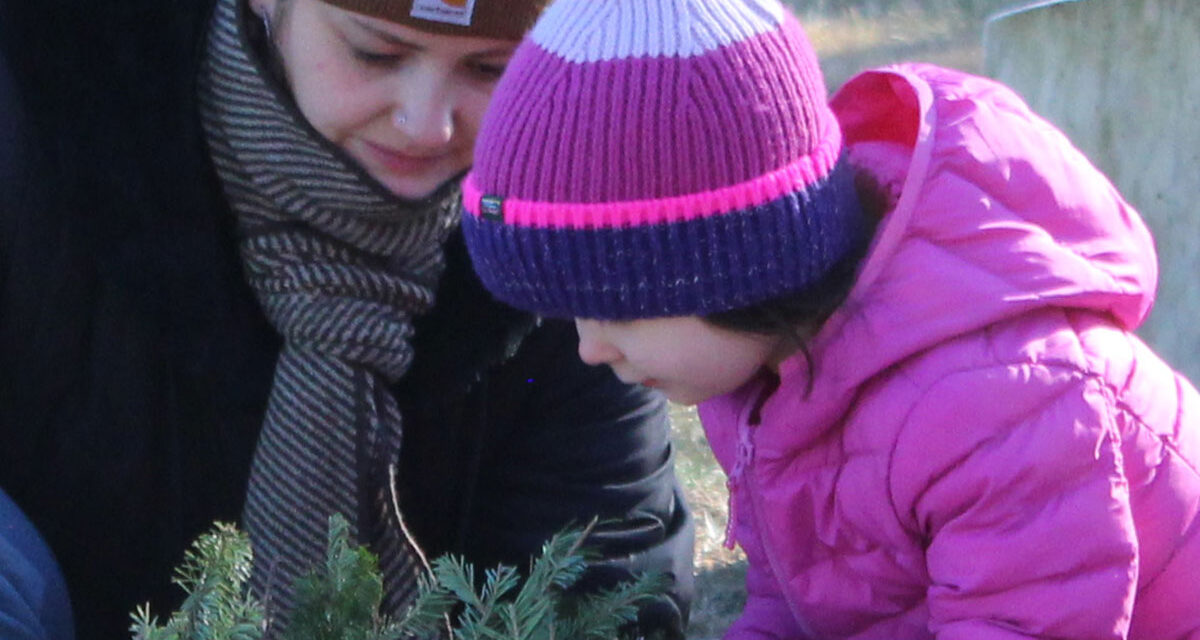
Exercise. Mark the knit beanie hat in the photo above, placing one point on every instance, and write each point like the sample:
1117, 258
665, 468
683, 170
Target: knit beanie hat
648, 158
500, 19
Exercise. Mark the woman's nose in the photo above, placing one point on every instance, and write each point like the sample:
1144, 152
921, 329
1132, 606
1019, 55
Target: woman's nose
593, 348
424, 111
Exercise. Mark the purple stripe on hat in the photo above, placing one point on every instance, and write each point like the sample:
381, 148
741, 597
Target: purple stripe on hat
694, 267
727, 121
761, 190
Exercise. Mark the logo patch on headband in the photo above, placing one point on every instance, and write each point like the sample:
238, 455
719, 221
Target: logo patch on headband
492, 208
448, 11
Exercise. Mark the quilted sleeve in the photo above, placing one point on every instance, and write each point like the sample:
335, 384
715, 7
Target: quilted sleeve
1013, 478
766, 615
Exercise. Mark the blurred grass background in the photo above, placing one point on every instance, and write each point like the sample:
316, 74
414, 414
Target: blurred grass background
849, 36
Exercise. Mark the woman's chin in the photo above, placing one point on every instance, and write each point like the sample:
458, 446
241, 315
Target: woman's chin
404, 176
413, 188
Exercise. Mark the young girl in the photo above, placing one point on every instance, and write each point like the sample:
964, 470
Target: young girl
907, 314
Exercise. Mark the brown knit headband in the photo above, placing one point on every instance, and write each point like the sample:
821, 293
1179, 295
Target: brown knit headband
500, 19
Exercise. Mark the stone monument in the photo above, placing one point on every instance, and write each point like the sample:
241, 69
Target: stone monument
1122, 79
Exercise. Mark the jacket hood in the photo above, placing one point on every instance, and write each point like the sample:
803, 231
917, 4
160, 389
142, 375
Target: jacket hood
998, 214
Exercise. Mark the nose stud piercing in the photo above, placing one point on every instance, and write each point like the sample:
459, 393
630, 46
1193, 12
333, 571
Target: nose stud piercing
398, 118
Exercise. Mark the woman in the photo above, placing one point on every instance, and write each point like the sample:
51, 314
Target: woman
219, 265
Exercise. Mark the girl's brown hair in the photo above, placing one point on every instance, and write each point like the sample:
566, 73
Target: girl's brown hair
798, 316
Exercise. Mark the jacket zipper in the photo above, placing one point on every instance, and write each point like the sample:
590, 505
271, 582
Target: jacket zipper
741, 482
746, 421
733, 484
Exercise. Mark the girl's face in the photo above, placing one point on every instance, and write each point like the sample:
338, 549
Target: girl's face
688, 359
404, 104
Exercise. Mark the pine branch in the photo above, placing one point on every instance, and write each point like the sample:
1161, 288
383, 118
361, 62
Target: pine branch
542, 608
218, 606
601, 616
428, 613
341, 601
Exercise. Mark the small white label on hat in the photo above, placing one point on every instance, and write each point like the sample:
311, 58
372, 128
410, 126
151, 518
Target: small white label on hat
492, 208
449, 11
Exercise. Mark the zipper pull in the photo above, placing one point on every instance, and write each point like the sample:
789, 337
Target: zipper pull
745, 454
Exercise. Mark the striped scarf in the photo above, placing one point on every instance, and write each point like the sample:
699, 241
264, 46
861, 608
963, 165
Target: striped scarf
340, 267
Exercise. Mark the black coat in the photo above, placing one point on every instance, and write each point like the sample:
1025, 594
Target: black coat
135, 363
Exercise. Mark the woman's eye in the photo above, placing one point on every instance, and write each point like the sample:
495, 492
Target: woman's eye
374, 58
486, 70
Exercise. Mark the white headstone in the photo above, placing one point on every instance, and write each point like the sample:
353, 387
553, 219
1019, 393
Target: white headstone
1122, 79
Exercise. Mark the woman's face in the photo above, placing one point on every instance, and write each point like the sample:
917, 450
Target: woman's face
404, 104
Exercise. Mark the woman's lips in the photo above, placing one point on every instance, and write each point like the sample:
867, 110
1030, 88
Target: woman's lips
400, 163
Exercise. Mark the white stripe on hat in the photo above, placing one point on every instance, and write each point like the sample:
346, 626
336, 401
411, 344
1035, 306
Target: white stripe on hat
596, 30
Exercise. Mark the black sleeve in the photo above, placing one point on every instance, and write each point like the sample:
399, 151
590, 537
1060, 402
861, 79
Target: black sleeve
12, 146
33, 596
10, 122
582, 445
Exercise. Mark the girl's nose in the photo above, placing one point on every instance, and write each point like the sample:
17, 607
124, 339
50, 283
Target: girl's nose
593, 348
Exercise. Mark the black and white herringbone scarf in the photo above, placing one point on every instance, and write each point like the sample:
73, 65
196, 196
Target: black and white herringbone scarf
340, 267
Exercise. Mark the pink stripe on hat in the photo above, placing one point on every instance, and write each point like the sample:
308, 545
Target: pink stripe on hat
793, 178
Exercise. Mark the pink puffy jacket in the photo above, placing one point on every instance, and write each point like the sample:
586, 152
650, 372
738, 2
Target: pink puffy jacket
987, 451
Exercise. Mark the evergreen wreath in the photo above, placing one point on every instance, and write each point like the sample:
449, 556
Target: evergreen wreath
340, 601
